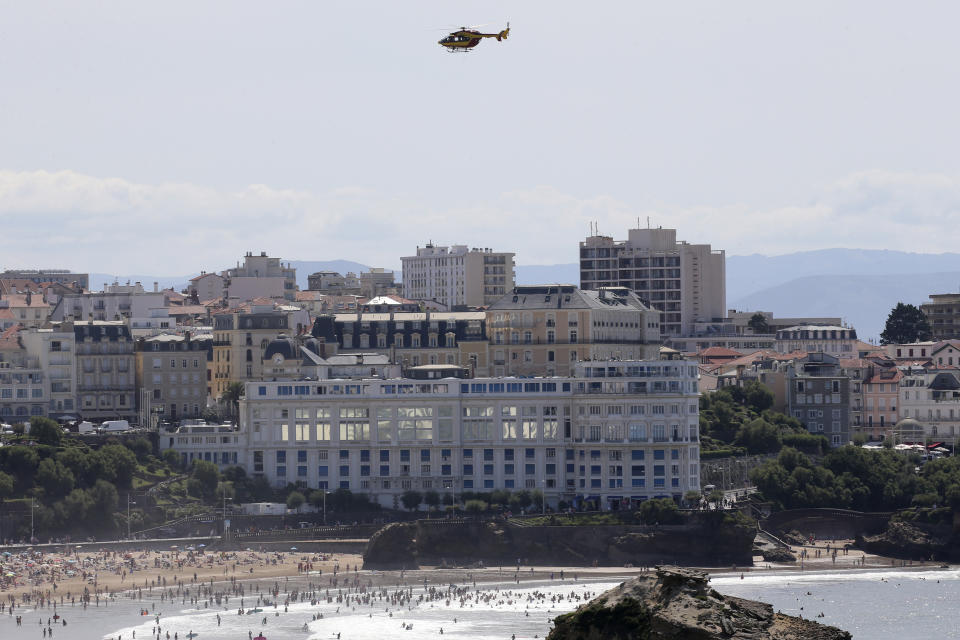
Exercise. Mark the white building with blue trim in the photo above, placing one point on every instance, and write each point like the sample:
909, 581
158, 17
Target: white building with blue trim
615, 433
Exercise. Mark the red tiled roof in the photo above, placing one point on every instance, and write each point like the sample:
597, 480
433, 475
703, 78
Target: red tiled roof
879, 379
9, 339
20, 300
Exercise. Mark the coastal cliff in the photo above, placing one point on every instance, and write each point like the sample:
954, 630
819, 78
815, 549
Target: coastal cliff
914, 541
675, 604
710, 542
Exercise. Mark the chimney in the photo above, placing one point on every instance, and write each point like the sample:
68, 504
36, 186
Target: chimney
155, 289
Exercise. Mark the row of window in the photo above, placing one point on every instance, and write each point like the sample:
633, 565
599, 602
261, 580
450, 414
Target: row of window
20, 393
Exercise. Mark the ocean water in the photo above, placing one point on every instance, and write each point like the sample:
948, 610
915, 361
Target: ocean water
871, 604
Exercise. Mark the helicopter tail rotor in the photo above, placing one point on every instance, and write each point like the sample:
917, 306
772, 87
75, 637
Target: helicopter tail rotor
503, 34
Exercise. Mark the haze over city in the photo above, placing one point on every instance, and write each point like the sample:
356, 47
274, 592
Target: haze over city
335, 131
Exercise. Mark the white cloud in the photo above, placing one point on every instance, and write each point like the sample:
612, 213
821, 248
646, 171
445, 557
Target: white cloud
114, 225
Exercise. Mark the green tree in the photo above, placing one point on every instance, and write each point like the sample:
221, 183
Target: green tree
22, 463
55, 479
77, 505
6, 486
207, 474
316, 498
758, 436
659, 511
431, 499
295, 500
906, 323
119, 464
536, 499
411, 499
758, 322
758, 397
45, 431
104, 500
524, 498
475, 506
172, 458
140, 447
340, 500
224, 490
499, 496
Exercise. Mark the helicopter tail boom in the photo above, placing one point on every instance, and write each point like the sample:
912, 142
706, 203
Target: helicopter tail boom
503, 34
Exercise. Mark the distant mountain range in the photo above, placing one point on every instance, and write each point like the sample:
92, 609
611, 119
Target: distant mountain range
858, 285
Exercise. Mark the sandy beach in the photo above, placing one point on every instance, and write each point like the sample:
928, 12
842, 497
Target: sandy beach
61, 576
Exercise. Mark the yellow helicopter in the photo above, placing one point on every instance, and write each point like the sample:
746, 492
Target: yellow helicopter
467, 38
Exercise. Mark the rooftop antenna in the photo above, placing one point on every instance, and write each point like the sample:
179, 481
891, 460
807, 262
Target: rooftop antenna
648, 222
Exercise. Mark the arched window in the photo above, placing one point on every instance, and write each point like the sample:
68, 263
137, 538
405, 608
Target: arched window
249, 355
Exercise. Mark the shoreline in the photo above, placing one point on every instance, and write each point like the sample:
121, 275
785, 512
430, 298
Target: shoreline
109, 573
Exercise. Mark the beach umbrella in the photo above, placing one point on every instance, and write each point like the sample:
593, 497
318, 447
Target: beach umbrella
10, 574
293, 548
201, 545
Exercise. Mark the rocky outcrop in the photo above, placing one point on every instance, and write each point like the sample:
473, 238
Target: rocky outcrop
706, 543
392, 547
678, 604
914, 542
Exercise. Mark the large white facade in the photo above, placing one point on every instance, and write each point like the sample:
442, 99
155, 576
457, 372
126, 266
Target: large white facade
454, 276
616, 431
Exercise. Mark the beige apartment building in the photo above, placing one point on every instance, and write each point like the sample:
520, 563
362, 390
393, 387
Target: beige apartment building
241, 336
685, 282
106, 385
456, 276
171, 374
546, 329
55, 349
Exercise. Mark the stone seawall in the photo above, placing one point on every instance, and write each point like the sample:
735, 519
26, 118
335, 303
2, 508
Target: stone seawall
702, 543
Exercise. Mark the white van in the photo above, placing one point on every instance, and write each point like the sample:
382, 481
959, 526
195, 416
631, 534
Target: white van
114, 426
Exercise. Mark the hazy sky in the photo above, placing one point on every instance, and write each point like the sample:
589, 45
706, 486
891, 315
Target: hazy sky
169, 137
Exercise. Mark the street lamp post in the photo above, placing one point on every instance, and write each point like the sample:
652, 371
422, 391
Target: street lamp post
225, 498
325, 492
128, 514
32, 507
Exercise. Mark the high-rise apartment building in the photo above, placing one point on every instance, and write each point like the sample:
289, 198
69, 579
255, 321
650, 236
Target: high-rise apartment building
943, 313
456, 276
685, 282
